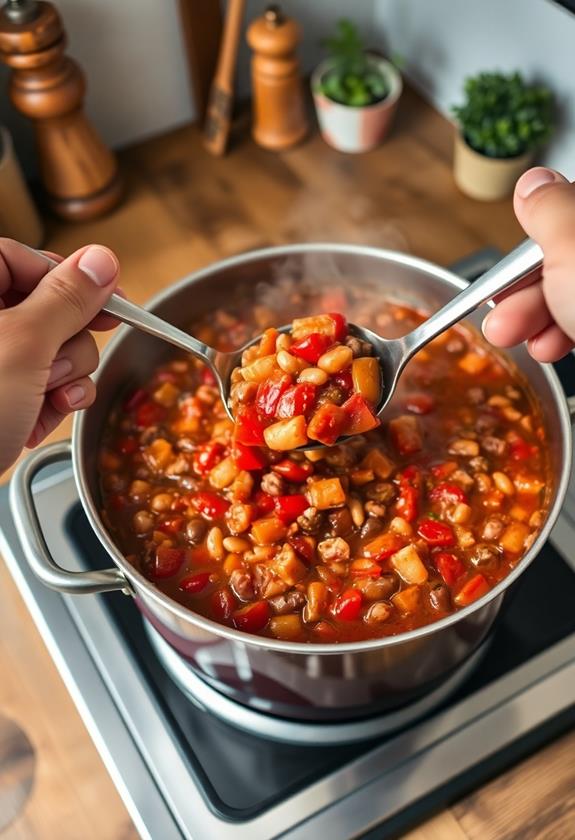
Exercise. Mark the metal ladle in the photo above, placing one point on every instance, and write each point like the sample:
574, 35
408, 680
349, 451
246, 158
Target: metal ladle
393, 354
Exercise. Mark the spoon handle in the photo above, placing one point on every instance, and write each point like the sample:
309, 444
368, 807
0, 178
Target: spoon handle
134, 315
515, 266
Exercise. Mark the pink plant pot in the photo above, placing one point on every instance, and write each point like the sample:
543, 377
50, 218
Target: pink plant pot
356, 129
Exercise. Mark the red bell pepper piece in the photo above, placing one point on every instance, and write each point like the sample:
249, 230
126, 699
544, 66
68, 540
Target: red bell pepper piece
471, 590
344, 380
269, 393
208, 377
347, 606
248, 457
359, 416
207, 456
149, 414
196, 583
298, 399
264, 502
288, 508
448, 494
327, 424
436, 533
171, 525
210, 505
340, 325
296, 471
311, 347
249, 427
253, 617
127, 445
380, 548
168, 561
449, 567
410, 475
419, 403
222, 603
520, 450
407, 505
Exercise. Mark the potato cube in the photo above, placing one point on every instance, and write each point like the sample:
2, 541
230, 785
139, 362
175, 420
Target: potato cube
407, 563
366, 375
288, 566
268, 531
377, 461
407, 601
302, 327
288, 627
513, 537
326, 493
159, 454
223, 473
260, 369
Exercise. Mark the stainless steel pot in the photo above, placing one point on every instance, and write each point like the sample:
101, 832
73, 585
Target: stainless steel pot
297, 680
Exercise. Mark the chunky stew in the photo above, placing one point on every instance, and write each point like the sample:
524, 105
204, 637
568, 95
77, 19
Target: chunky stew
394, 529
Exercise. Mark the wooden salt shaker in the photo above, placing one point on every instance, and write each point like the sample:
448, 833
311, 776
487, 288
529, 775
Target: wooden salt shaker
78, 172
279, 116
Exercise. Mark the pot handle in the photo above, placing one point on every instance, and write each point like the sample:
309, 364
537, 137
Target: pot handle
32, 538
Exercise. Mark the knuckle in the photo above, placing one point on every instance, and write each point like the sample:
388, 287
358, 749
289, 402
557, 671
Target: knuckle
70, 295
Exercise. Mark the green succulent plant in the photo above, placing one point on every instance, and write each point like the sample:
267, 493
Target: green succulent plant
353, 77
504, 117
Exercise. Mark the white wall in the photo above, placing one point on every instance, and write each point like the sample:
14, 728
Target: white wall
445, 40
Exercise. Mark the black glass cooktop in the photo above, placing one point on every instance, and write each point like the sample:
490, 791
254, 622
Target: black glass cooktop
240, 774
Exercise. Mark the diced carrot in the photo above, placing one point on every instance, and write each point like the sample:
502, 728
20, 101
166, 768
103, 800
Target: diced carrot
268, 531
407, 601
326, 493
366, 375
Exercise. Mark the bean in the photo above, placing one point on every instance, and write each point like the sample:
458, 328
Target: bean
143, 522
378, 613
335, 359
313, 375
503, 483
215, 543
139, 490
195, 530
161, 502
463, 446
461, 514
439, 597
356, 511
236, 545
283, 342
289, 363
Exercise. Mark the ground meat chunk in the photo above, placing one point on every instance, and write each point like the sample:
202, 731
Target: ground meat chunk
242, 584
476, 396
484, 555
288, 602
486, 423
310, 521
380, 491
374, 509
461, 477
492, 528
372, 527
267, 583
273, 484
479, 464
331, 393
493, 445
334, 550
377, 589
358, 346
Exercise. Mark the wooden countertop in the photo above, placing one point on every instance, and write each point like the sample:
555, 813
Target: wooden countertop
183, 210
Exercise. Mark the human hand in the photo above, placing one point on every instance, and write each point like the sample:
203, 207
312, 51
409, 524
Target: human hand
543, 312
46, 351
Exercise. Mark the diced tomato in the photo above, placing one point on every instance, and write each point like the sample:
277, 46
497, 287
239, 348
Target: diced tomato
436, 533
223, 603
347, 606
473, 589
208, 377
248, 457
171, 525
168, 561
252, 617
269, 393
127, 445
296, 471
264, 502
327, 424
210, 505
298, 399
249, 427
340, 325
345, 380
311, 347
410, 475
359, 416
448, 494
407, 505
207, 456
193, 584
149, 414
443, 470
520, 450
303, 546
449, 566
136, 399
288, 508
419, 403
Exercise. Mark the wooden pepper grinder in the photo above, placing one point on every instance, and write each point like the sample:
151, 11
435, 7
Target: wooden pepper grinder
279, 116
79, 173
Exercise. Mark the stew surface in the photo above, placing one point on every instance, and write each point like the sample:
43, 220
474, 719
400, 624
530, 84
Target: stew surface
392, 530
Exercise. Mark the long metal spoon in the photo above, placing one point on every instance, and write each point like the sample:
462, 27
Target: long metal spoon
393, 354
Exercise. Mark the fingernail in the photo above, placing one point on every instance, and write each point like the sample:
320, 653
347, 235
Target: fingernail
60, 368
99, 265
533, 179
484, 325
75, 394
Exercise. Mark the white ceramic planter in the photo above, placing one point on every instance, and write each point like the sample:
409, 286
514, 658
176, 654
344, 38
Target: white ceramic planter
351, 129
484, 178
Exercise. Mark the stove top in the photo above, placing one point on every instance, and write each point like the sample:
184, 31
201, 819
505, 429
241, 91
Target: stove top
183, 772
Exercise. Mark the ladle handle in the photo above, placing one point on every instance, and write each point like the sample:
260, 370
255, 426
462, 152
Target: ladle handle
515, 266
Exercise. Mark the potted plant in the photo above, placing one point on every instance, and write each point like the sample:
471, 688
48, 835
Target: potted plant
355, 92
502, 122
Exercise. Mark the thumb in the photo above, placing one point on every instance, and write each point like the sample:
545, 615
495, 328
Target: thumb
68, 297
544, 203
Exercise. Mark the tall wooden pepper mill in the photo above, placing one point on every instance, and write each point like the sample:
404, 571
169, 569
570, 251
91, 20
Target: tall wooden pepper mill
279, 116
79, 173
